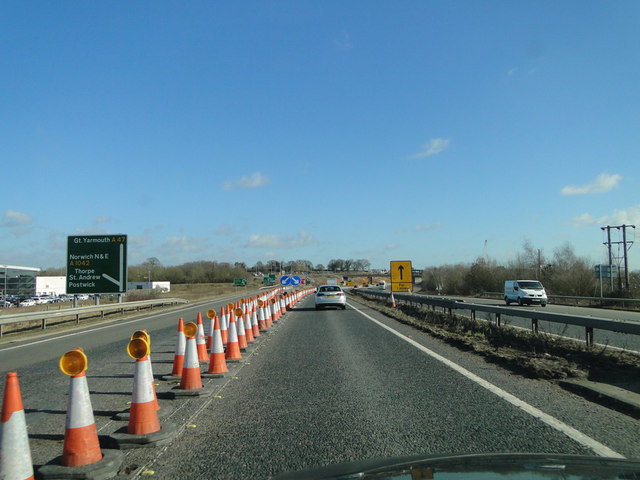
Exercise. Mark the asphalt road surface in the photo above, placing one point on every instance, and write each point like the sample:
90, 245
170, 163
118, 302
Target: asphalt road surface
319, 388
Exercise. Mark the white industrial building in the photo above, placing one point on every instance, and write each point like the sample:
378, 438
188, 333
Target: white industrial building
53, 286
164, 286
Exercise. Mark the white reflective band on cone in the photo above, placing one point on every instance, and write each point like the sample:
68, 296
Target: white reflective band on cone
15, 455
79, 411
181, 343
191, 356
216, 344
142, 383
233, 334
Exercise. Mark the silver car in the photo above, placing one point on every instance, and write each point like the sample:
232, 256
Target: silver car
330, 296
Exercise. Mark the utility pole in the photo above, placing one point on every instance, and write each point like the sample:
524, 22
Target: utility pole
626, 245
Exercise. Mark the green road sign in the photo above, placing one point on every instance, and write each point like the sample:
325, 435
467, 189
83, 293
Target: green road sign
97, 264
240, 282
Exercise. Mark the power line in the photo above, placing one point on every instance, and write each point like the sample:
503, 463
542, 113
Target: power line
625, 245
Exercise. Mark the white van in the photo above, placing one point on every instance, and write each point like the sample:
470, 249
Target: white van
524, 292
382, 285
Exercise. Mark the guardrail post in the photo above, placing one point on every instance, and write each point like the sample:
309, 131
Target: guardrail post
497, 319
473, 314
589, 334
1, 330
77, 318
44, 323
534, 325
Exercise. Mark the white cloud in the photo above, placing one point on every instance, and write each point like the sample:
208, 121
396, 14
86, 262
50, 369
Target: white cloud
140, 241
511, 71
344, 43
302, 239
16, 219
425, 228
254, 181
631, 216
93, 230
602, 184
435, 146
584, 220
184, 244
392, 246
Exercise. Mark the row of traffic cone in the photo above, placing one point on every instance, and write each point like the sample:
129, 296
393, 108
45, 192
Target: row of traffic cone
81, 446
243, 321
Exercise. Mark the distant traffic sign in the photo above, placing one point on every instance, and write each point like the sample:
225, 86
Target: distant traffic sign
97, 264
240, 282
606, 271
401, 276
290, 280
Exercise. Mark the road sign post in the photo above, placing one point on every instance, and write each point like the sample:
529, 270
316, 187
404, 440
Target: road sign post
401, 276
97, 264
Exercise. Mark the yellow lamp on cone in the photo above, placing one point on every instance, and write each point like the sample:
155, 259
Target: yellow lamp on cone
73, 363
190, 330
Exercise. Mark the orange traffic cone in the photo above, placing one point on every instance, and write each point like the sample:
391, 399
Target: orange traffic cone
210, 314
242, 336
201, 342
218, 364
191, 379
147, 361
15, 455
262, 325
81, 446
248, 330
254, 321
224, 325
393, 301
233, 348
143, 414
178, 358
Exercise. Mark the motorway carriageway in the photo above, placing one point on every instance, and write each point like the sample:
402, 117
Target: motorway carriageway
319, 388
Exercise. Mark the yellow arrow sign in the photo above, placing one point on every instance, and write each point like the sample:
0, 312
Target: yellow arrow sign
401, 276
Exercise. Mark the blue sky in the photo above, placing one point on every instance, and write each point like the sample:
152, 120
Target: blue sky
246, 131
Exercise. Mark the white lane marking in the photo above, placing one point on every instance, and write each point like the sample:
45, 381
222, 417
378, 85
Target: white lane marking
111, 325
553, 422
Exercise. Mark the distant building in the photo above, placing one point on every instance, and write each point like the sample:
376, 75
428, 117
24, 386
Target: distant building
165, 286
18, 281
51, 286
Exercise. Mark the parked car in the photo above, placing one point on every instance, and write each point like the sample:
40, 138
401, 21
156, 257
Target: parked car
28, 302
330, 296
